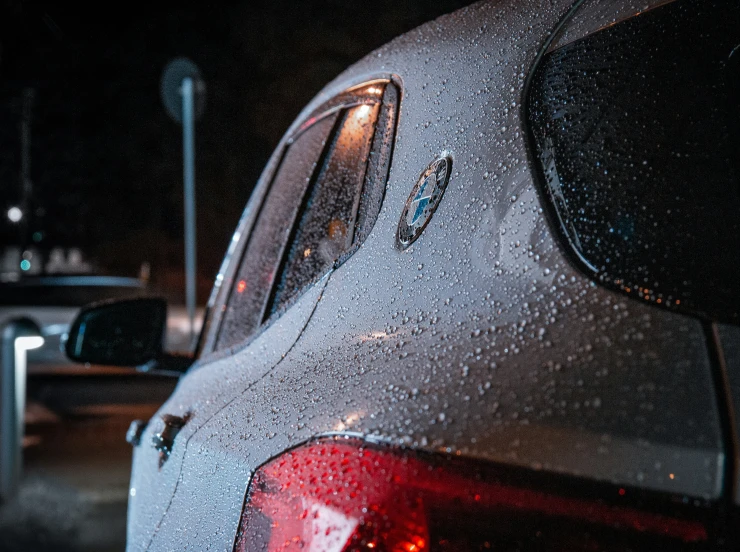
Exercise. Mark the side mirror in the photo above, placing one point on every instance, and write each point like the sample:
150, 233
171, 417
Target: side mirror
126, 332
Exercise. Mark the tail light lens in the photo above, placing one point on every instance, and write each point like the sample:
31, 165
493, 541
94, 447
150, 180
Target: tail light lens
346, 496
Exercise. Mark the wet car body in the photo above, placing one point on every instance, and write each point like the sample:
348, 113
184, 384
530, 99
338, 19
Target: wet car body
483, 340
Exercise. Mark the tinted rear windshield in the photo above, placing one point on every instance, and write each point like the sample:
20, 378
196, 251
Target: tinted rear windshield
636, 134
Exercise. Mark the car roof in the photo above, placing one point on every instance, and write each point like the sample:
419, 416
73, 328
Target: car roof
67, 290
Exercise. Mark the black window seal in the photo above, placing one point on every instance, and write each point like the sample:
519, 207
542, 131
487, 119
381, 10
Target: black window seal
553, 219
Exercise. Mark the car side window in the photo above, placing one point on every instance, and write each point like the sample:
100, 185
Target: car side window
322, 202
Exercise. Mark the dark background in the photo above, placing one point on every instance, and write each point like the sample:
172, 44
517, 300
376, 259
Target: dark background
105, 158
106, 171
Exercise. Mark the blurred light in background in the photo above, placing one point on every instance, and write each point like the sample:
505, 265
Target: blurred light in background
15, 214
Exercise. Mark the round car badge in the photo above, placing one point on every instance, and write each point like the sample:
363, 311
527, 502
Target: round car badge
423, 201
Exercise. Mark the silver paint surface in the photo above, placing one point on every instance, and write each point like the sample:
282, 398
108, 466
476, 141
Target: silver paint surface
479, 339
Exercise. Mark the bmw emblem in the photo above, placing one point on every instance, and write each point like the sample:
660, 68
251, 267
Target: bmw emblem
423, 201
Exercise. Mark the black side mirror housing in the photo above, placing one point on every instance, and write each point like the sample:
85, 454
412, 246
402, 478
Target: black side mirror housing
126, 332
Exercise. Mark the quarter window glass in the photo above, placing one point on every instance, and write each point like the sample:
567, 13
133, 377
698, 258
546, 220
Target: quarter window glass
636, 133
323, 202
246, 304
326, 227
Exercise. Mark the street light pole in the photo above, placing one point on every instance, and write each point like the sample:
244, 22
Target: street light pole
188, 160
183, 94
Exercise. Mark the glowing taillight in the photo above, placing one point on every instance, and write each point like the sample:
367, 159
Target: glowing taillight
344, 495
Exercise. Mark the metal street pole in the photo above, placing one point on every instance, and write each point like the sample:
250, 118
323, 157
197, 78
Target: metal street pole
188, 160
183, 94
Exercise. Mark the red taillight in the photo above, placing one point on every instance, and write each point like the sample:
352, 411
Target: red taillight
343, 495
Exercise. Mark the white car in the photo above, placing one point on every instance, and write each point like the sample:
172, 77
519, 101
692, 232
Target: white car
484, 296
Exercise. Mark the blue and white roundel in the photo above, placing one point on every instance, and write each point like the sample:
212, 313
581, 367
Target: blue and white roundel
423, 201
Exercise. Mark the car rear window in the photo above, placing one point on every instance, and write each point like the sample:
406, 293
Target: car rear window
322, 203
636, 132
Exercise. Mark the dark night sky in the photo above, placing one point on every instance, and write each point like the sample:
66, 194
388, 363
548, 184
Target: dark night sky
105, 158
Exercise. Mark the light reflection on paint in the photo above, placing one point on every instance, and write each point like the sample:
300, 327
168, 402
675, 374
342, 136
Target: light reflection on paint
349, 421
